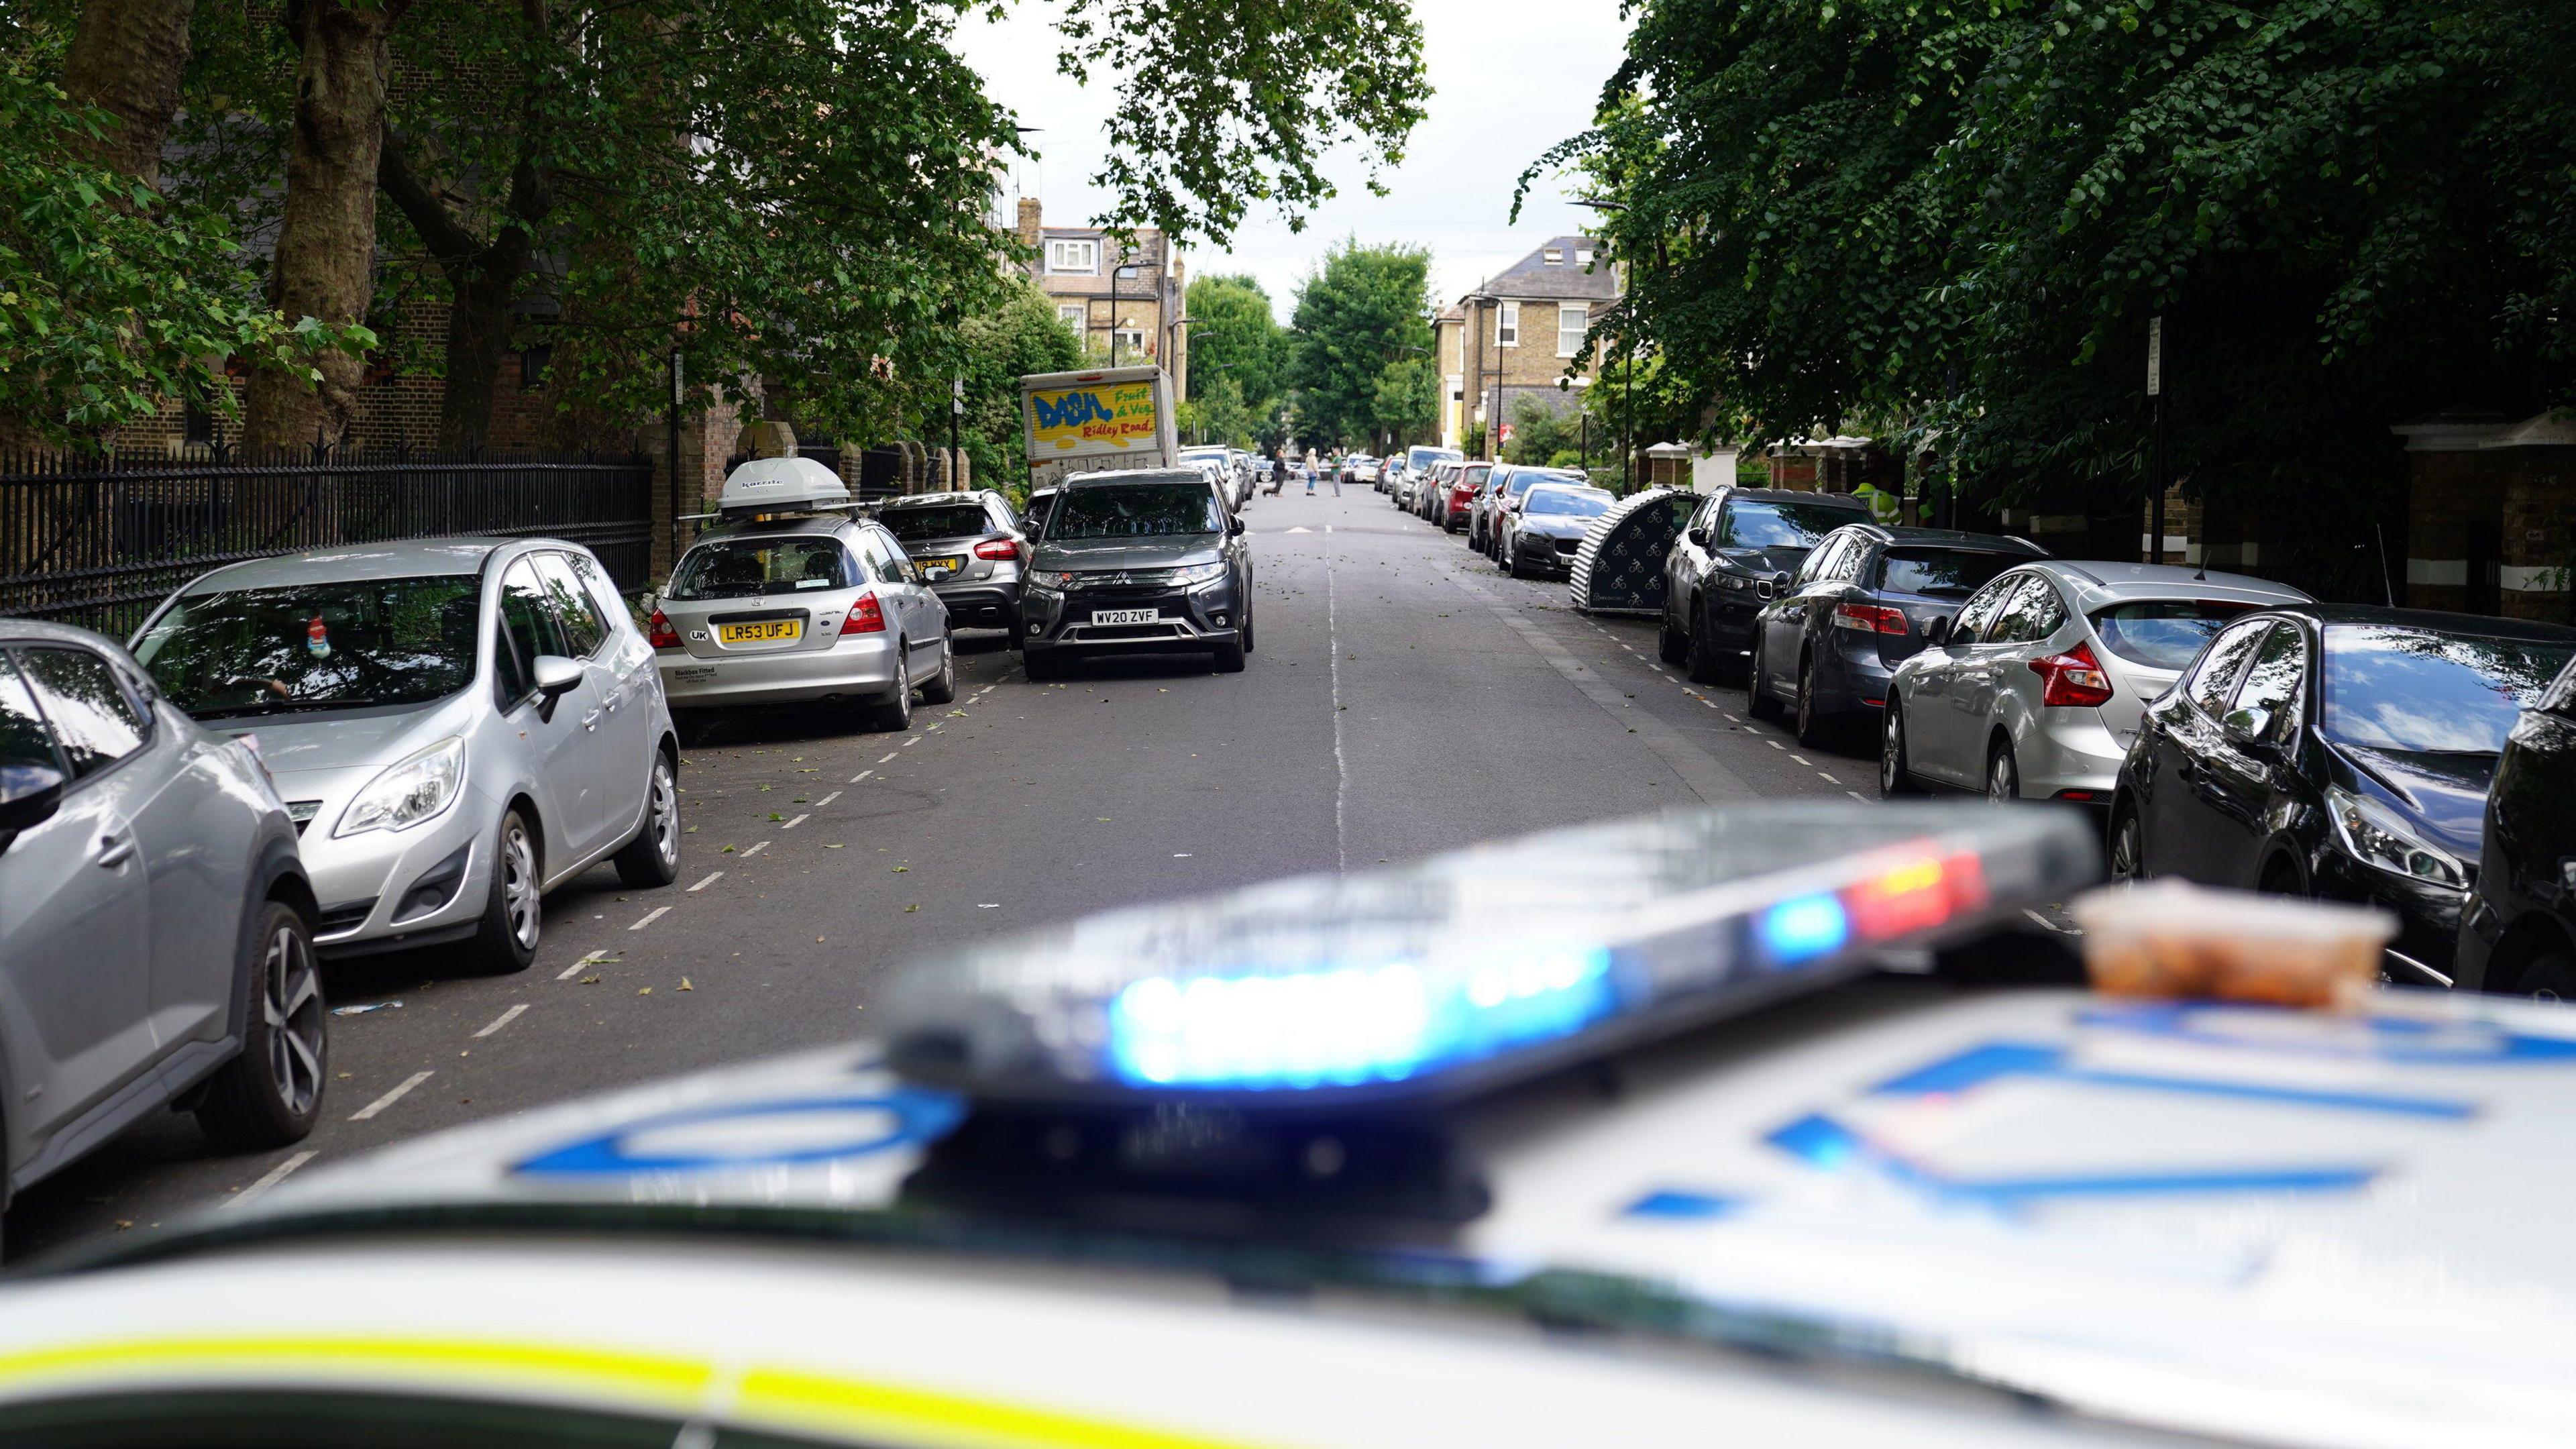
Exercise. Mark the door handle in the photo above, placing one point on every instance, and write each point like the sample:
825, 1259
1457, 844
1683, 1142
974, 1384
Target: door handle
590, 721
115, 850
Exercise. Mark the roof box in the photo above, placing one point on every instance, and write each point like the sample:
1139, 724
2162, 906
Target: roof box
780, 485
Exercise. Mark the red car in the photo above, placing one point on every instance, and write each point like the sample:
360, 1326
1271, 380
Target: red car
1458, 493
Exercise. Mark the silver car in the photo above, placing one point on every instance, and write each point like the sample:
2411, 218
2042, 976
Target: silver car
971, 549
156, 941
2034, 690
457, 726
820, 609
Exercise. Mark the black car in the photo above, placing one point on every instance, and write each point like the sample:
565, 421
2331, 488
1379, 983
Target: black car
1738, 550
2339, 751
1858, 608
1148, 561
1548, 528
2518, 929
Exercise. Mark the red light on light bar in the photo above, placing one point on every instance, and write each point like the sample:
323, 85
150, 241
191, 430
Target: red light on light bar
1915, 894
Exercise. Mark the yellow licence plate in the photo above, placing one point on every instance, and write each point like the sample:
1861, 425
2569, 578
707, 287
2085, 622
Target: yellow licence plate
766, 631
941, 565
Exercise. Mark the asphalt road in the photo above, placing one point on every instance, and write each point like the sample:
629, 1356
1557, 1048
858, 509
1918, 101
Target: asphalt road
1406, 697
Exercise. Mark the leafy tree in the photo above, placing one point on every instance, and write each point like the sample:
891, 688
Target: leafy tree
1220, 415
1406, 406
1362, 311
1234, 337
1019, 335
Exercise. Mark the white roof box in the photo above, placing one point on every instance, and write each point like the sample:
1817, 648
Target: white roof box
781, 485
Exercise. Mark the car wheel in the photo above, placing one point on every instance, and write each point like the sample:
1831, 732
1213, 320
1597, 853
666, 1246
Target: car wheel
2549, 976
652, 859
1019, 631
270, 1093
1247, 631
514, 914
894, 712
1229, 657
1669, 644
1812, 722
2128, 846
1518, 569
2003, 774
1757, 698
1699, 656
1895, 771
942, 688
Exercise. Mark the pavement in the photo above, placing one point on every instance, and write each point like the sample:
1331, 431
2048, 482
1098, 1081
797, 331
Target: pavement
1406, 697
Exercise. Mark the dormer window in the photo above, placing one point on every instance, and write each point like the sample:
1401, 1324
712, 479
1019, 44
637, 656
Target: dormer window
1583, 256
1553, 256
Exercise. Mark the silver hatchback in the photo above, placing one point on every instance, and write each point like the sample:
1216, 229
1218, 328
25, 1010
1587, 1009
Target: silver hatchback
2034, 690
457, 726
820, 609
970, 549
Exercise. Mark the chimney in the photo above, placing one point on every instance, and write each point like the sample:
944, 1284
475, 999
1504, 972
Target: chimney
1029, 222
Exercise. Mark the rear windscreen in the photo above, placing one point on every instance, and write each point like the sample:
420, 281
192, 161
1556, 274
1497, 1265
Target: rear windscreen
755, 568
912, 525
2162, 633
1955, 572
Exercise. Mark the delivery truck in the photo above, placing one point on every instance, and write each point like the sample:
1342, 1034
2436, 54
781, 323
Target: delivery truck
1095, 421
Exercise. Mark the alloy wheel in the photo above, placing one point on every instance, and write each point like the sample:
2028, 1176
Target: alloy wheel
520, 898
666, 812
1891, 752
291, 1000
2003, 778
2128, 849
1806, 702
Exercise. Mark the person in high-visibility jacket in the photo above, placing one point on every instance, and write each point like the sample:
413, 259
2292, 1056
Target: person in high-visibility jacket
1884, 507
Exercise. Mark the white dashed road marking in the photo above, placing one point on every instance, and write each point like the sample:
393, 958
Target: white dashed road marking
828, 799
1828, 779
792, 824
754, 849
888, 755
273, 1177
596, 957
504, 1019
712, 877
863, 774
1855, 794
655, 914
389, 1098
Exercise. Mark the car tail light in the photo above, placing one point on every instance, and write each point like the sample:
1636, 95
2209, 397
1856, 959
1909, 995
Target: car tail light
660, 633
997, 548
1869, 618
2072, 678
866, 617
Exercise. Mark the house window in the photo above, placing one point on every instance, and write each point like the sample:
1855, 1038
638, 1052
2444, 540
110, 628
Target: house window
1457, 388
1570, 318
1133, 339
1507, 325
1070, 314
1553, 256
533, 363
196, 425
1074, 256
1583, 256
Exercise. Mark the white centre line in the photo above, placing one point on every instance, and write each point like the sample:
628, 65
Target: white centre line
1341, 763
828, 799
655, 914
792, 824
888, 755
389, 1098
907, 744
594, 958
1720, 711
755, 849
274, 1176
863, 774
504, 1019
712, 877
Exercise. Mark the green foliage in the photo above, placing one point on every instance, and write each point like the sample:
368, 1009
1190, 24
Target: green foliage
113, 297
1234, 337
1407, 403
1961, 213
1220, 415
1020, 335
1362, 312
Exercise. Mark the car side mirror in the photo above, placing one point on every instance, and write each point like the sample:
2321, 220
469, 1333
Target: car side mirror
1234, 526
556, 677
2248, 725
29, 796
1699, 534
1936, 633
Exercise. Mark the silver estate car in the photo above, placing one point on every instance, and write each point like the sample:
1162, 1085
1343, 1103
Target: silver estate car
156, 945
457, 726
816, 609
2034, 690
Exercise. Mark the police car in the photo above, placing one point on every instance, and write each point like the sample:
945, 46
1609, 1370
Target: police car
1709, 1128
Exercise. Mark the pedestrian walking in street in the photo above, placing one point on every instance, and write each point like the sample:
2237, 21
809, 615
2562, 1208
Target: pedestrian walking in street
1339, 473
1310, 475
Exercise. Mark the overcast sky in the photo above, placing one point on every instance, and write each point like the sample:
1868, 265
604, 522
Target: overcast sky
1510, 79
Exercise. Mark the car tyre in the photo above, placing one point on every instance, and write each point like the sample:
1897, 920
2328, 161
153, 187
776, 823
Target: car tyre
1247, 631
1669, 644
1895, 771
1229, 657
2128, 845
894, 712
2549, 976
514, 914
652, 859
942, 687
1757, 698
1812, 722
270, 1093
1699, 656
1516, 568
2003, 774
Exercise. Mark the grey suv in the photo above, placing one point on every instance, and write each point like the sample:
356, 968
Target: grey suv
156, 940
1144, 561
969, 548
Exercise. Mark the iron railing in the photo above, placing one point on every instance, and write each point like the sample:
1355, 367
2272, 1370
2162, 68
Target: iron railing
97, 540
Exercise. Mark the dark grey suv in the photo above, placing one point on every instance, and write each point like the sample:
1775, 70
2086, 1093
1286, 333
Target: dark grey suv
969, 548
1146, 561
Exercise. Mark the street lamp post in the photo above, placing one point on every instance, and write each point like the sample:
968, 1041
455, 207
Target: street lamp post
1488, 302
1116, 274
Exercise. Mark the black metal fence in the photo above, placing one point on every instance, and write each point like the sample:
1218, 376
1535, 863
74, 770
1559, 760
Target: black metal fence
97, 540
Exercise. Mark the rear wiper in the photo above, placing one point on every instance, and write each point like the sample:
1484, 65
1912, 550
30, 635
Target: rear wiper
284, 706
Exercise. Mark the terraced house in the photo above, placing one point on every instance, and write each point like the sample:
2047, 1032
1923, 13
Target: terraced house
1514, 337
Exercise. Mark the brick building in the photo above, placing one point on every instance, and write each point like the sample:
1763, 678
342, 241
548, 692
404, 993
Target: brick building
1126, 306
1514, 337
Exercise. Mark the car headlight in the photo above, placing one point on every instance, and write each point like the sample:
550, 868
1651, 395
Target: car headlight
2374, 834
1206, 573
1050, 582
408, 793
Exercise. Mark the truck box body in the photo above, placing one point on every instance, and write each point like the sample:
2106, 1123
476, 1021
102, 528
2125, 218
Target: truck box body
1085, 422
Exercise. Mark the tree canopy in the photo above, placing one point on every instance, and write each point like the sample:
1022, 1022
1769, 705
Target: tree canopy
1362, 313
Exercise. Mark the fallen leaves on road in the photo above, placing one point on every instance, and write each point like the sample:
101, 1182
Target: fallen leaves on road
685, 986
900, 869
774, 815
908, 910
647, 991
728, 850
590, 980
831, 847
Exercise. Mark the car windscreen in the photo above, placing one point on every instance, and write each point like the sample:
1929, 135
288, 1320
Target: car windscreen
2162, 633
943, 520
1754, 523
2393, 687
1557, 500
1476, 475
753, 568
1953, 571
294, 647
1520, 483
1424, 457
1135, 510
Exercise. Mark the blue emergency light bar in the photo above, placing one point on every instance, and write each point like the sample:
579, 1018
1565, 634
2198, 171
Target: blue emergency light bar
1467, 968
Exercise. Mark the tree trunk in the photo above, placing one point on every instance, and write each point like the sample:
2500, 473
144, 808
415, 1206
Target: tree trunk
126, 59
479, 325
326, 242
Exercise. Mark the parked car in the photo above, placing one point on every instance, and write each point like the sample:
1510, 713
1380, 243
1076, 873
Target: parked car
1148, 560
1419, 458
803, 610
1033, 518
1739, 549
2339, 751
156, 925
456, 725
2034, 690
1509, 483
2518, 927
969, 548
1458, 495
1857, 609
1548, 527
